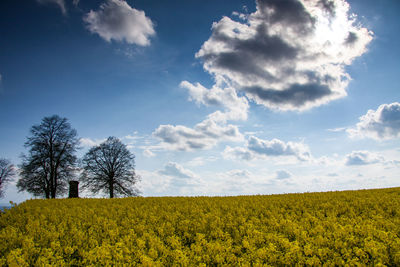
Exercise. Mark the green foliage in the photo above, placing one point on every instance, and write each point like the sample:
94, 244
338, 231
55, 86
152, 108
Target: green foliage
334, 229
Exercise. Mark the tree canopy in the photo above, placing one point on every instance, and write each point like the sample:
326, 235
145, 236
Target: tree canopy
50, 162
110, 167
7, 173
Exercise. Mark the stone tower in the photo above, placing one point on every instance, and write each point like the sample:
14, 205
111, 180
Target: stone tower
73, 189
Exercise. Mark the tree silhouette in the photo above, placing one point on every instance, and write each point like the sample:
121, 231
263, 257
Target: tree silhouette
110, 167
50, 163
7, 173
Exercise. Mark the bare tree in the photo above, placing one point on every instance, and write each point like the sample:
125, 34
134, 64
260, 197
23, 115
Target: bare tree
7, 173
50, 163
110, 167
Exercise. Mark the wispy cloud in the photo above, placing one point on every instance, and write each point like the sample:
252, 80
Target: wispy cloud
130, 140
117, 20
332, 174
200, 161
59, 3
337, 130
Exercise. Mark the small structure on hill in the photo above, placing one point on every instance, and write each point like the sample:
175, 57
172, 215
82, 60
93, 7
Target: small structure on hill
73, 189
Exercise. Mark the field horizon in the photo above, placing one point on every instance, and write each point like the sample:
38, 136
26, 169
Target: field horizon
211, 196
332, 228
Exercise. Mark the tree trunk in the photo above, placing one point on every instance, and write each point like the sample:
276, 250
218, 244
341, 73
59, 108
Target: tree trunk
51, 166
54, 187
47, 194
53, 193
51, 184
111, 187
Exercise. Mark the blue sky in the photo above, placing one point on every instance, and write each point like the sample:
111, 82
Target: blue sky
213, 98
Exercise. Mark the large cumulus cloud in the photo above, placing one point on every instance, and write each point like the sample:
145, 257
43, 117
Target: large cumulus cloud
116, 20
288, 54
380, 124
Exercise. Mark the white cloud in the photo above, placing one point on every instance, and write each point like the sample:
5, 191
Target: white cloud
173, 169
237, 153
132, 140
148, 153
116, 20
287, 55
240, 15
204, 135
236, 107
240, 174
337, 130
200, 161
156, 184
380, 124
234, 182
243, 181
173, 179
152, 183
257, 148
363, 158
276, 147
264, 178
59, 3
133, 137
181, 179
88, 142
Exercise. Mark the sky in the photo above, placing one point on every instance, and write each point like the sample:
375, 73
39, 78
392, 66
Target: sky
212, 97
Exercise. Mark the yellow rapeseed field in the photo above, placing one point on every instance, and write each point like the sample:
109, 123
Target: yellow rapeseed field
334, 229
